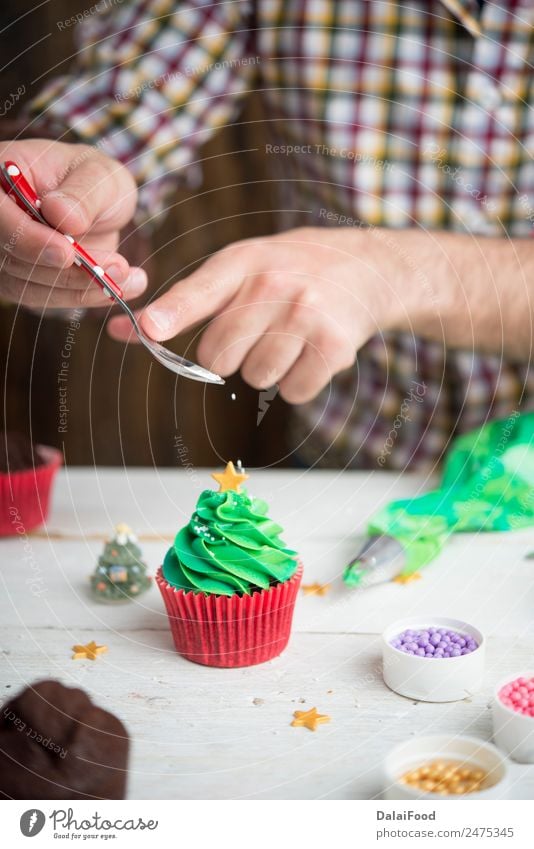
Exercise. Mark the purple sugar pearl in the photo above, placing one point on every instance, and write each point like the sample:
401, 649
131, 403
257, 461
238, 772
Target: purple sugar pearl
434, 642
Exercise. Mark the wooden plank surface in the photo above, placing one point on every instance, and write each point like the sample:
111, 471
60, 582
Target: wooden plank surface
208, 733
201, 733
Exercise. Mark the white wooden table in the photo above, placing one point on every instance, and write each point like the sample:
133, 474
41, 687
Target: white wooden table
200, 733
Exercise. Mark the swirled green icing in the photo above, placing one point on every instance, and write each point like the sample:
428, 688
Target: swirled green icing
229, 547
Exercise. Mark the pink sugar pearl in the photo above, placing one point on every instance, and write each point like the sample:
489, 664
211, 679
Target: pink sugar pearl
518, 695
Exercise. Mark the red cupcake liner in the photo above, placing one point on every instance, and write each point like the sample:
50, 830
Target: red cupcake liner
25, 495
230, 631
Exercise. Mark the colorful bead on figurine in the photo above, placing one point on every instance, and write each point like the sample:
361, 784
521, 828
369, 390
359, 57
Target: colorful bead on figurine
120, 574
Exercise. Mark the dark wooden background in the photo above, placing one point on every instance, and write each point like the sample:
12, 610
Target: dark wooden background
123, 409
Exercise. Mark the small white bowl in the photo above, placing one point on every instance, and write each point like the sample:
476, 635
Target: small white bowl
446, 679
513, 732
421, 750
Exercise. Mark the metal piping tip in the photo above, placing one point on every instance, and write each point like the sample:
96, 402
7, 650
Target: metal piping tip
378, 560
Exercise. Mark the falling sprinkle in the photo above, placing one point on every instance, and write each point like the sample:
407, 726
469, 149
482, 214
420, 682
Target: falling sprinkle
233, 396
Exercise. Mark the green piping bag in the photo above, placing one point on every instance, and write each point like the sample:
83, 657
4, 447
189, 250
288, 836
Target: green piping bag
487, 485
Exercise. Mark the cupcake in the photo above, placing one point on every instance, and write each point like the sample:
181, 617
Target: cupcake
26, 475
55, 743
229, 582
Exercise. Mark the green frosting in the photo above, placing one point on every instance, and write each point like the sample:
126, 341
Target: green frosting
230, 547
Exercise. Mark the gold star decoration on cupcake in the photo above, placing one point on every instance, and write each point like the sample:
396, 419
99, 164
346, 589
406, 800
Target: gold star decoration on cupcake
230, 479
309, 719
88, 652
315, 589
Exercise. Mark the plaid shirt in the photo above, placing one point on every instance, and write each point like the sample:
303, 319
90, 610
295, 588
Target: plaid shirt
402, 114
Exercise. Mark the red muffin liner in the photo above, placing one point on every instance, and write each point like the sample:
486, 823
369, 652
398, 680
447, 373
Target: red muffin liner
25, 495
230, 631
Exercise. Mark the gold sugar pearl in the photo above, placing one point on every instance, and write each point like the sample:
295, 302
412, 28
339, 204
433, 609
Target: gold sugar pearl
445, 778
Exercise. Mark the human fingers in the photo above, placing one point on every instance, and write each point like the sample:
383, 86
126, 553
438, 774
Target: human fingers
94, 193
70, 278
321, 358
271, 359
36, 295
30, 241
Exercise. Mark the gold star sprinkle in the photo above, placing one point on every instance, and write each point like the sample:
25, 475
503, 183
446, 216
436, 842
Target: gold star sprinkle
230, 479
88, 652
407, 579
315, 589
309, 719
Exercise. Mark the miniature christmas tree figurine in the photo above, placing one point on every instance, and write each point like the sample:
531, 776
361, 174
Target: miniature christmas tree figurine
120, 574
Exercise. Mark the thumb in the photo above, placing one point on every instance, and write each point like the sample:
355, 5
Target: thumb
97, 193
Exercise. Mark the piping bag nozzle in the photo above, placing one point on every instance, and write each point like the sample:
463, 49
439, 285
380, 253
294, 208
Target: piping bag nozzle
380, 559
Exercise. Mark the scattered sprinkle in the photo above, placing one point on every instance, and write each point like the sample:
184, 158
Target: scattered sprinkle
88, 652
309, 719
407, 579
315, 589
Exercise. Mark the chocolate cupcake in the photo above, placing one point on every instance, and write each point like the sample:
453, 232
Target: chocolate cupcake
26, 475
56, 744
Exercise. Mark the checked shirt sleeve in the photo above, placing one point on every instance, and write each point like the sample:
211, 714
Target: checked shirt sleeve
153, 80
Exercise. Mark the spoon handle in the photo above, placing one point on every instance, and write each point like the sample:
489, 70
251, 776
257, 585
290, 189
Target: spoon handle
16, 185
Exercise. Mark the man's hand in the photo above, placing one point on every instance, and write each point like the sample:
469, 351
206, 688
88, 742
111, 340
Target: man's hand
83, 193
291, 309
